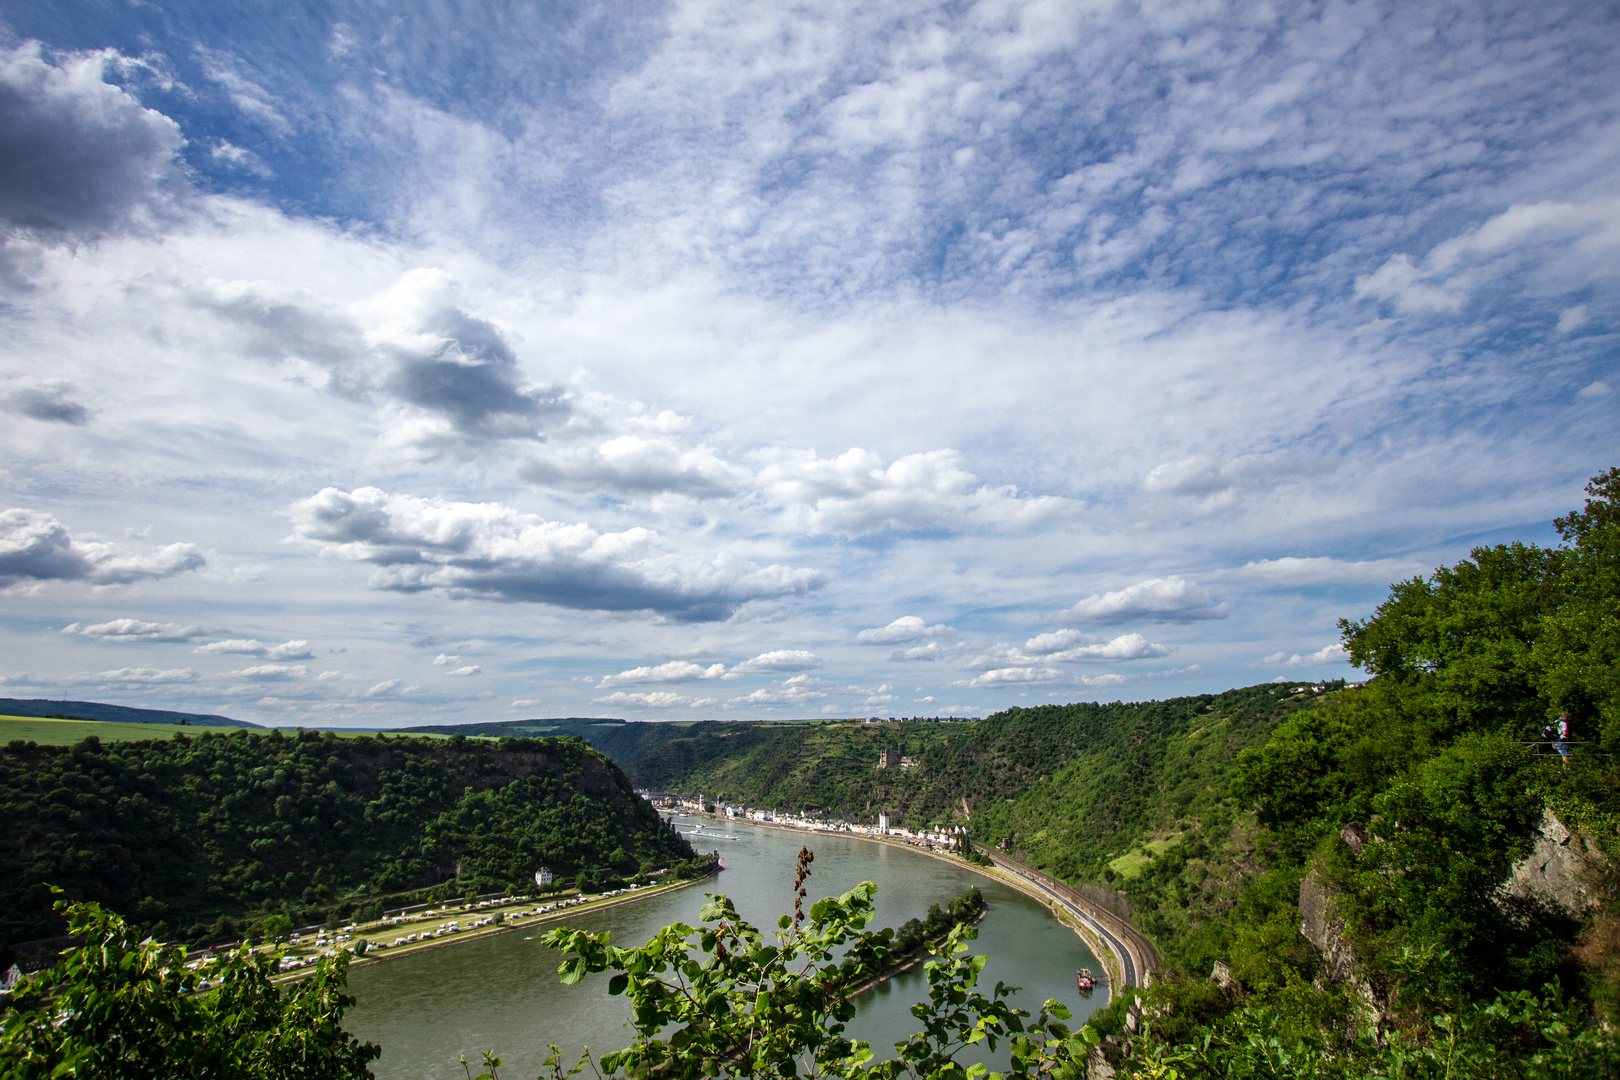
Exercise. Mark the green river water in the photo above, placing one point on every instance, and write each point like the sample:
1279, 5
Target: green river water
501, 993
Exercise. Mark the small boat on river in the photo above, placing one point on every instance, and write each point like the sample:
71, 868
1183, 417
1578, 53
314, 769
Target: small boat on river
1086, 981
698, 832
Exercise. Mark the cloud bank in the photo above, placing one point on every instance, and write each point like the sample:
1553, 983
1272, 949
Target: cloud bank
37, 547
1171, 599
491, 551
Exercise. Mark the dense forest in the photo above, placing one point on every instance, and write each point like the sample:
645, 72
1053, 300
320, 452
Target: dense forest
631, 742
1412, 828
184, 832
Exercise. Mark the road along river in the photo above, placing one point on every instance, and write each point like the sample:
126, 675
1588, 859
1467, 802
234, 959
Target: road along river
502, 993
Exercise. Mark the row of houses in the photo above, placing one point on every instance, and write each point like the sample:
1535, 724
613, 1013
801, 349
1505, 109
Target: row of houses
946, 837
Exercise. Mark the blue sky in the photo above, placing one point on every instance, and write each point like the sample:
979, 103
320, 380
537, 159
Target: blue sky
366, 365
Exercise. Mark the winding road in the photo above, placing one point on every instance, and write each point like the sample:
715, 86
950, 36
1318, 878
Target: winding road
1137, 957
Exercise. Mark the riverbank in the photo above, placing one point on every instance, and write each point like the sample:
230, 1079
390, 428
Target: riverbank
918, 956
416, 948
1128, 957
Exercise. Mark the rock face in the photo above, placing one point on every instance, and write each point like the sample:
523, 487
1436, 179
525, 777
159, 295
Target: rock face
1557, 869
1323, 927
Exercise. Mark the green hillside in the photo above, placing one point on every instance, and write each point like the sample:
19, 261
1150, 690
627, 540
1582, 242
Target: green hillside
1072, 787
53, 732
627, 742
123, 714
181, 832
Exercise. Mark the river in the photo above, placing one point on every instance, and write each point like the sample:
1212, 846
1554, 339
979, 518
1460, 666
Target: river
502, 993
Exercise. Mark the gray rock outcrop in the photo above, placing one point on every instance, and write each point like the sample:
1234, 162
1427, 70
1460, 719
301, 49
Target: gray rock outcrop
1558, 870
1323, 927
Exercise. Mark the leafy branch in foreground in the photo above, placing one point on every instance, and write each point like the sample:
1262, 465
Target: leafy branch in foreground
119, 1006
745, 1003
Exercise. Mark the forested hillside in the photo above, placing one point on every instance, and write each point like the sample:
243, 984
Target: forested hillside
630, 743
1072, 787
1395, 823
180, 832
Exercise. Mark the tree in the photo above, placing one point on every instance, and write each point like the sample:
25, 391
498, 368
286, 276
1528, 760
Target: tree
275, 928
118, 1006
1578, 656
739, 1002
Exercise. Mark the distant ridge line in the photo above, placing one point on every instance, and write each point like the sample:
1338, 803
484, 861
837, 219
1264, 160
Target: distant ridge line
127, 714
451, 729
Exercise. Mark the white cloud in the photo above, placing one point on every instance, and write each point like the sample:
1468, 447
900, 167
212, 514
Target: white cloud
1596, 389
1210, 485
135, 630
1171, 599
139, 675
1058, 646
778, 660
635, 464
1017, 676
653, 699
97, 160
445, 658
1327, 654
525, 703
470, 669
933, 650
454, 376
1572, 319
491, 551
1578, 239
906, 628
287, 650
1318, 570
328, 676
273, 672
1131, 646
673, 671
37, 547
856, 493
787, 695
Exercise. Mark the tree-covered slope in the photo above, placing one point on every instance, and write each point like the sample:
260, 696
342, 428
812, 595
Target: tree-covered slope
1072, 787
179, 832
630, 743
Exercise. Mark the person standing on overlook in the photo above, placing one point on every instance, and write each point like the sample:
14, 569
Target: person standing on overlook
1560, 730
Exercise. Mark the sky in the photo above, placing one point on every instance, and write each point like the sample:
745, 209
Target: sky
370, 364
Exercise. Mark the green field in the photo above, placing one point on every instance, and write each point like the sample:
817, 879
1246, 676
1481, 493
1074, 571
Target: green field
49, 732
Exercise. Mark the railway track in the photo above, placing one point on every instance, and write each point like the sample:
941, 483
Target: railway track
1137, 957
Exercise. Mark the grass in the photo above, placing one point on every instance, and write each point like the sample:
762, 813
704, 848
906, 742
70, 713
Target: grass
1132, 863
51, 732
